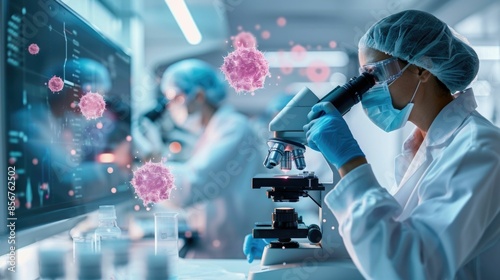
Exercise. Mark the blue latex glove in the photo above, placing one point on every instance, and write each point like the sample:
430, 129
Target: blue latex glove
253, 247
330, 135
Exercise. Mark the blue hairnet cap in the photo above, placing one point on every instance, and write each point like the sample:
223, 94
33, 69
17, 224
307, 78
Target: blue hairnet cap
193, 75
425, 41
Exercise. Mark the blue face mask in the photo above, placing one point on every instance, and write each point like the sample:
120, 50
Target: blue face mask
377, 103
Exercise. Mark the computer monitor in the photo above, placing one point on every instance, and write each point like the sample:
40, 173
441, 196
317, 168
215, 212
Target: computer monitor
55, 163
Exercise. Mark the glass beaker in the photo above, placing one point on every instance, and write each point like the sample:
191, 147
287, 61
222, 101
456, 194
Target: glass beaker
166, 240
82, 245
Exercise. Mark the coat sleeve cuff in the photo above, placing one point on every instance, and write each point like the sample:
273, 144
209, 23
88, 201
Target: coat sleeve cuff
351, 188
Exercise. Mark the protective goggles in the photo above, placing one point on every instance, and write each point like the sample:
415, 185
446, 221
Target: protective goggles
386, 70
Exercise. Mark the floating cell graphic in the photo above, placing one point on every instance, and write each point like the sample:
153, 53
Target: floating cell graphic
333, 44
244, 40
245, 69
286, 66
175, 147
257, 27
33, 49
281, 21
56, 84
318, 72
286, 69
153, 182
298, 52
265, 34
92, 105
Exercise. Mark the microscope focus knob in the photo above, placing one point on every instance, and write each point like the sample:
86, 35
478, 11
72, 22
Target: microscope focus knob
314, 233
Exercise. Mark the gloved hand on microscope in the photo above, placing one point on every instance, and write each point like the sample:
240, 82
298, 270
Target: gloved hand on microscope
328, 133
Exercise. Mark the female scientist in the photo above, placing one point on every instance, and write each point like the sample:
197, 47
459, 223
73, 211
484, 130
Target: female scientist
215, 183
442, 218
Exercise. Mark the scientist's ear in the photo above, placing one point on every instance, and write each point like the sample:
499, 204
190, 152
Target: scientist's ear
424, 75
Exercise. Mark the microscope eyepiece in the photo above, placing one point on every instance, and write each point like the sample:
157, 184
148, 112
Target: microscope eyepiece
345, 96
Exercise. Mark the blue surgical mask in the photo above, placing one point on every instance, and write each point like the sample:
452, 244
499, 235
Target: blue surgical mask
377, 103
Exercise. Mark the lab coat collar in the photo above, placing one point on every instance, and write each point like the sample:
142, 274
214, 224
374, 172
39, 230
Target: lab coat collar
219, 116
450, 118
442, 128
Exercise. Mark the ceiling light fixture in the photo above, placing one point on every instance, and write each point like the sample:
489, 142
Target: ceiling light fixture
185, 21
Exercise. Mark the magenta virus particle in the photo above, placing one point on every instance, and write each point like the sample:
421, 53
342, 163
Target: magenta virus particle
245, 69
281, 21
33, 49
56, 84
92, 105
244, 40
265, 34
318, 71
298, 52
153, 182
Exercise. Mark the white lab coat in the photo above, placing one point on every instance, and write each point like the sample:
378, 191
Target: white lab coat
215, 185
442, 220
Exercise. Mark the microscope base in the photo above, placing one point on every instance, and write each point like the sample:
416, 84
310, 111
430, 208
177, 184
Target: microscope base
331, 269
309, 261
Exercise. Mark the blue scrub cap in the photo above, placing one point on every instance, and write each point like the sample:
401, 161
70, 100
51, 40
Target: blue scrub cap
192, 75
425, 41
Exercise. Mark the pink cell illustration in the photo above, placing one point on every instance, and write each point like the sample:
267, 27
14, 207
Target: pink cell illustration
257, 27
298, 52
244, 40
33, 49
92, 105
265, 34
281, 21
318, 72
245, 69
56, 84
286, 69
285, 66
153, 182
333, 44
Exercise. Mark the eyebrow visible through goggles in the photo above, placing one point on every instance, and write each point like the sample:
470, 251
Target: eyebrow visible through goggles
387, 70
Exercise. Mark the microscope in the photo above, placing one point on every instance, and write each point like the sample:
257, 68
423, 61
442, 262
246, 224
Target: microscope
324, 256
